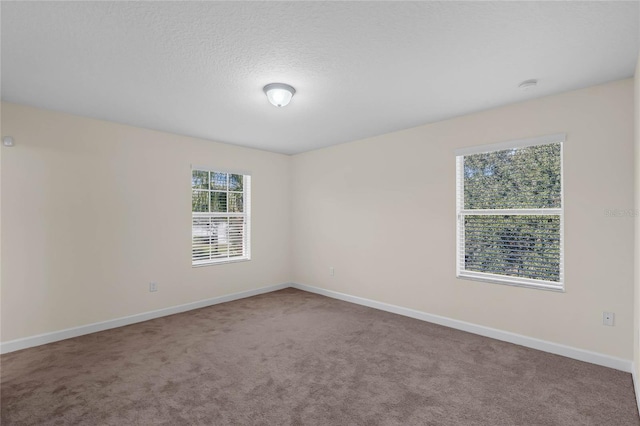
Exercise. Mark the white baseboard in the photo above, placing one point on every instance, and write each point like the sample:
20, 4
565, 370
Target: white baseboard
518, 339
41, 339
636, 385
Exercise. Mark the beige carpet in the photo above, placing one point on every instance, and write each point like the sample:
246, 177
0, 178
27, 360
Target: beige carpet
295, 358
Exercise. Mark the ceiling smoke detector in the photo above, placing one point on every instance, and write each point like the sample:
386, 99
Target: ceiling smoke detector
528, 84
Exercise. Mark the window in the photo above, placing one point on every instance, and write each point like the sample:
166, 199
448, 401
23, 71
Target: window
510, 213
220, 206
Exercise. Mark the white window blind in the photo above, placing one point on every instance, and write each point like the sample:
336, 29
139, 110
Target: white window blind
510, 213
220, 227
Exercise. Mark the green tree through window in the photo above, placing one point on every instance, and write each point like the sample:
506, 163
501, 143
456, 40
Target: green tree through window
510, 215
220, 217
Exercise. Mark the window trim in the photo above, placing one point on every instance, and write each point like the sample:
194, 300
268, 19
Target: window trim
246, 256
462, 273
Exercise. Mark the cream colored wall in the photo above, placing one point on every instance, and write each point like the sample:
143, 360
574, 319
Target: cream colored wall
381, 211
93, 211
1, 151
636, 299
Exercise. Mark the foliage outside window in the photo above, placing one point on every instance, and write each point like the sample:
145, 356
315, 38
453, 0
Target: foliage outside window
510, 213
220, 217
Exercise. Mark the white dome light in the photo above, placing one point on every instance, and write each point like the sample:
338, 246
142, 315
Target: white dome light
279, 94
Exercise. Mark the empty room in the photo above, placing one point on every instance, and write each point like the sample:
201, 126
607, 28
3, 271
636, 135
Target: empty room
320, 213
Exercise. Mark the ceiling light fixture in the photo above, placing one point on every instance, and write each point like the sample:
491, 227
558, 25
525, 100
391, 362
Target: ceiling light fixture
528, 84
279, 94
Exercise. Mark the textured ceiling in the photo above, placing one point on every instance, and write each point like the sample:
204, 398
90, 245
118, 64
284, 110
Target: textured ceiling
359, 68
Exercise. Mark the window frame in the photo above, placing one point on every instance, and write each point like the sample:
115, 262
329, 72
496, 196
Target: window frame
461, 272
246, 214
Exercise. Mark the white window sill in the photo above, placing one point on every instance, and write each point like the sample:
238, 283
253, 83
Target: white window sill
221, 262
505, 280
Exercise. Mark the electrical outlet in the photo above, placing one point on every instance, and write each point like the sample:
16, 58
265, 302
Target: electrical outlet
153, 287
332, 271
608, 318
